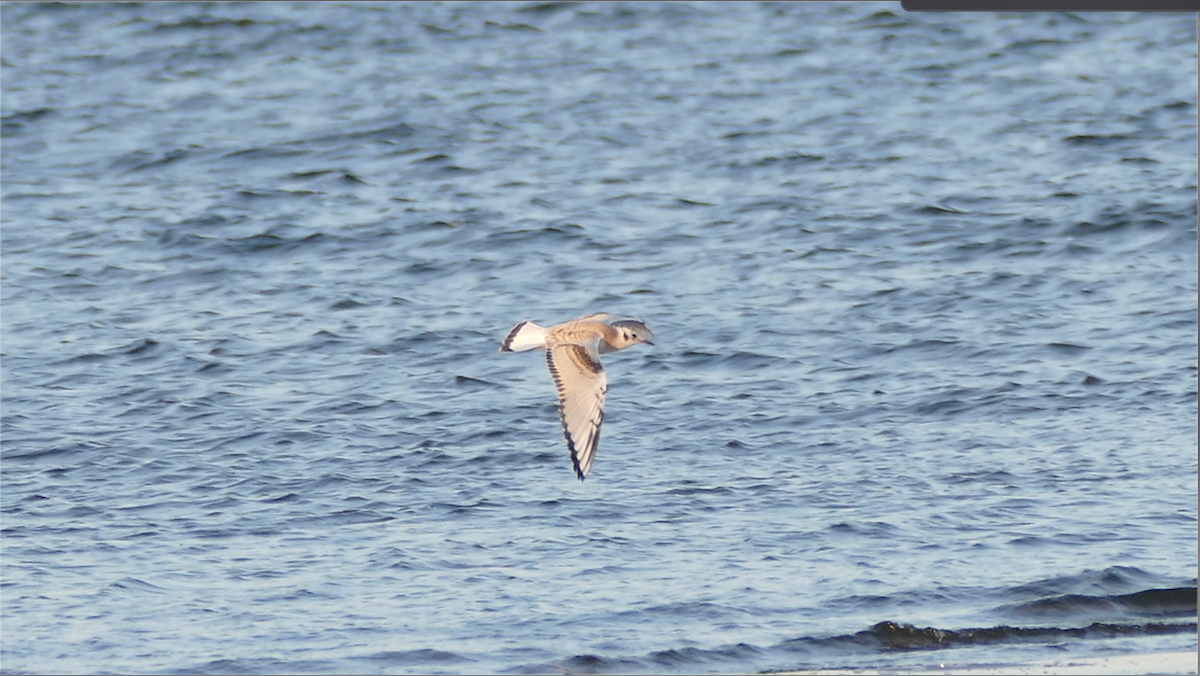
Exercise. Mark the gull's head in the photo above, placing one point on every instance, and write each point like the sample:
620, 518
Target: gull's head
632, 332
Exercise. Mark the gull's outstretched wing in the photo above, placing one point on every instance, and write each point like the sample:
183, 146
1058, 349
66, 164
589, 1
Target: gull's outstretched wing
581, 383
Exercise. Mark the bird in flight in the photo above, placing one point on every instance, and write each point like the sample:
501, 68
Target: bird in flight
573, 352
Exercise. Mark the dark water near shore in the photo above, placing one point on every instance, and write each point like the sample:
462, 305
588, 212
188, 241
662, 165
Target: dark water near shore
924, 287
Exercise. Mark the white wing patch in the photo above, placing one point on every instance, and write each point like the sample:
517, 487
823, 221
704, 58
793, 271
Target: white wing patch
581, 383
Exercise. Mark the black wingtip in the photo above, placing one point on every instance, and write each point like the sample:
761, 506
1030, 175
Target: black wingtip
574, 456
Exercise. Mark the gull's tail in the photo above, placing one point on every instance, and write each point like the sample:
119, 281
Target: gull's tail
524, 336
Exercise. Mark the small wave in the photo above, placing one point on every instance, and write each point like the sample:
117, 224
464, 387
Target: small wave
1174, 602
143, 347
139, 346
206, 22
387, 132
890, 636
348, 304
264, 152
1142, 613
742, 359
939, 209
36, 452
346, 517
532, 236
582, 664
1097, 139
15, 123
186, 236
752, 360
141, 160
418, 657
683, 657
884, 637
133, 584
474, 383
933, 346
260, 665
700, 490
268, 241
1112, 580
941, 405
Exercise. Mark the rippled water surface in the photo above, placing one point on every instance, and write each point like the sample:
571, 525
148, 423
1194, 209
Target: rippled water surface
924, 287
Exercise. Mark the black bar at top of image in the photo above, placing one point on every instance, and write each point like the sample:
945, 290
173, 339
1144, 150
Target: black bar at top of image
1050, 5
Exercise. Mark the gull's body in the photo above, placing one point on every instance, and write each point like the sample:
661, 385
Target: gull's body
573, 352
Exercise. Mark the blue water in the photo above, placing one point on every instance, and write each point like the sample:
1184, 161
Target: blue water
924, 288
